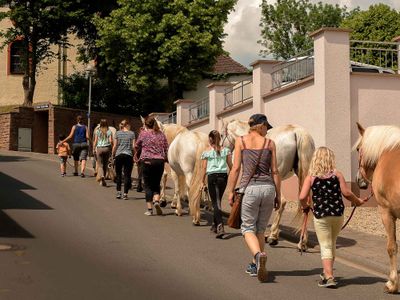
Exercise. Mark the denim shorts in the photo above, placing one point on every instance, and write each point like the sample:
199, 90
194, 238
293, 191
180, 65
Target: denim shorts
63, 159
257, 207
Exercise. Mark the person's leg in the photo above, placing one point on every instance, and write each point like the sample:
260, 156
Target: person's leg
324, 235
139, 187
83, 158
146, 173
157, 171
105, 159
212, 191
220, 189
62, 167
337, 223
128, 166
100, 162
75, 154
118, 171
249, 214
267, 195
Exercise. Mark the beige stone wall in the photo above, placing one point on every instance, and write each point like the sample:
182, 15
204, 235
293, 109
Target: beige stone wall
11, 91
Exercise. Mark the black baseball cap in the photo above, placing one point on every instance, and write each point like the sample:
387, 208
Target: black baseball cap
258, 119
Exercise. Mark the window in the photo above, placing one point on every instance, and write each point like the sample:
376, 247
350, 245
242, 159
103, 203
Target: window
15, 63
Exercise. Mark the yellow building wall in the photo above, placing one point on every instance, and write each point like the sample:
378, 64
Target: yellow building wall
11, 91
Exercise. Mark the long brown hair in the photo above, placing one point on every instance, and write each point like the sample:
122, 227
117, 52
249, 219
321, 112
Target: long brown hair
214, 137
124, 124
151, 123
103, 127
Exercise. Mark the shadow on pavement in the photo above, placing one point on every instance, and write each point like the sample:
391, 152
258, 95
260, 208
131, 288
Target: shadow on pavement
273, 274
13, 197
363, 280
9, 158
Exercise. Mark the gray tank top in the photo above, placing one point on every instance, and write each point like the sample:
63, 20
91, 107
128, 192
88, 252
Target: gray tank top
263, 171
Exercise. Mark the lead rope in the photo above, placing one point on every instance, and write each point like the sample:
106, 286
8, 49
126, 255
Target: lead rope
354, 209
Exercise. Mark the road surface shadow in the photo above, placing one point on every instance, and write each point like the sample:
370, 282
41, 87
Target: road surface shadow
360, 280
311, 272
12, 196
9, 158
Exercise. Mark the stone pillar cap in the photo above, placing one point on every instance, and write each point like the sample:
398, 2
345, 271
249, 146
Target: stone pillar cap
214, 84
332, 29
264, 61
396, 39
183, 101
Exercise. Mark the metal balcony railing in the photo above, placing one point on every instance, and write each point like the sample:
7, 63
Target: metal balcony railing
199, 110
170, 119
294, 69
238, 93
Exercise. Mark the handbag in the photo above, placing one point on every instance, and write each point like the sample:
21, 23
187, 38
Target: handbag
235, 220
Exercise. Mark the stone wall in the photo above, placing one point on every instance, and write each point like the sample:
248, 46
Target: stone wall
5, 120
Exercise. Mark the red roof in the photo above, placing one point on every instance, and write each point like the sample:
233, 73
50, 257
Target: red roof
227, 65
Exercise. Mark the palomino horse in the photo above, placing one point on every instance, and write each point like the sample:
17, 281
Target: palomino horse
294, 150
379, 164
184, 159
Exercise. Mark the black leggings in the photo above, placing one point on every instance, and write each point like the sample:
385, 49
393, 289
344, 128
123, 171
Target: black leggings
153, 170
124, 161
216, 188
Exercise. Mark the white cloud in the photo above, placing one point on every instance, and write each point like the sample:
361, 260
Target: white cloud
244, 31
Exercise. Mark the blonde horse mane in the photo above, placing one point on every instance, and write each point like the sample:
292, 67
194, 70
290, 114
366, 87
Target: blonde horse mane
375, 141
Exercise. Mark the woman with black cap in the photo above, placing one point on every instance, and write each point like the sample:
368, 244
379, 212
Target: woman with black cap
260, 183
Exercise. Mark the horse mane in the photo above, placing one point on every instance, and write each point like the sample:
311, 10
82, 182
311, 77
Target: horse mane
376, 140
238, 127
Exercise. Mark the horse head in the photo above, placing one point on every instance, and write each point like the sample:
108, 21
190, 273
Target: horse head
361, 177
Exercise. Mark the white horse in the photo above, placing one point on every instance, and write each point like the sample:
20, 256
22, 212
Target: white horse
184, 159
294, 150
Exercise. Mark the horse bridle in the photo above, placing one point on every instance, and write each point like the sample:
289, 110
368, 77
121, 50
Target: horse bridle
228, 138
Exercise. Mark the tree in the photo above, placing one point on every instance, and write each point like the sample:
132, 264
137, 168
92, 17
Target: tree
151, 41
380, 23
285, 25
39, 24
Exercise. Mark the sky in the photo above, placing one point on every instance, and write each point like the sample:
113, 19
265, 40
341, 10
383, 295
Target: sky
244, 31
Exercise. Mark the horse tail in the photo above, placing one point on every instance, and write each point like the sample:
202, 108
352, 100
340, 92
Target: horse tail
195, 185
305, 150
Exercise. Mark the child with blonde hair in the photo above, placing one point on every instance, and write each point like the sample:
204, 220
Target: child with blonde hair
327, 186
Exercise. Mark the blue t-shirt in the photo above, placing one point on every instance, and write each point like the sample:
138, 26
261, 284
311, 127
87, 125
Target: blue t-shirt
216, 163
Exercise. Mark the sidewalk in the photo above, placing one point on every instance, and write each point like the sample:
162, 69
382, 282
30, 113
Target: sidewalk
363, 249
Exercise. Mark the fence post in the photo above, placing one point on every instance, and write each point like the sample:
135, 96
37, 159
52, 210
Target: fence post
182, 111
216, 92
397, 40
262, 82
332, 84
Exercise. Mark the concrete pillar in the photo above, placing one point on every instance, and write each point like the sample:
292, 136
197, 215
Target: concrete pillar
182, 111
262, 82
216, 92
397, 40
332, 83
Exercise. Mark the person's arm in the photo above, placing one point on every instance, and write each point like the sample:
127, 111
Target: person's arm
71, 134
133, 148
68, 149
95, 143
234, 173
203, 172
165, 146
347, 193
305, 192
275, 175
114, 148
229, 161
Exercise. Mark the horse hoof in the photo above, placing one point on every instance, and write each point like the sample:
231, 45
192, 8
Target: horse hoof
302, 248
173, 205
272, 241
196, 223
179, 214
390, 288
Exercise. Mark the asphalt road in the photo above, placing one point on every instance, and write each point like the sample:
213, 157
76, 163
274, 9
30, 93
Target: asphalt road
73, 240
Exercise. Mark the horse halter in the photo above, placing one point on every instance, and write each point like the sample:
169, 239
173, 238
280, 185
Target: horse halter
227, 137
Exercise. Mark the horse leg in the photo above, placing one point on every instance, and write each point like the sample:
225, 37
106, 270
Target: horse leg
390, 226
175, 179
163, 199
273, 237
181, 183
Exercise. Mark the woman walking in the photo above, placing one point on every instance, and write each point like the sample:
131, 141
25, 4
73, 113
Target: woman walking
80, 144
153, 148
261, 185
102, 148
216, 161
123, 151
327, 186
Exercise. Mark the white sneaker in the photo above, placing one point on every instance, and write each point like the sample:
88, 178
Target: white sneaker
149, 213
